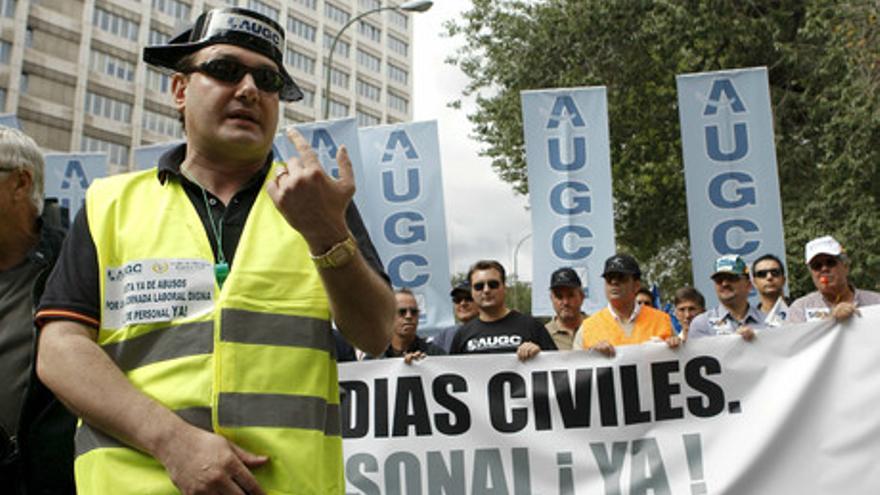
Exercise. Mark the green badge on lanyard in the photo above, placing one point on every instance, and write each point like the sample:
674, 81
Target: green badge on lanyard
221, 271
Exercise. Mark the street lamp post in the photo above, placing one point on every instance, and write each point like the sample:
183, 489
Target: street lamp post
411, 6
516, 266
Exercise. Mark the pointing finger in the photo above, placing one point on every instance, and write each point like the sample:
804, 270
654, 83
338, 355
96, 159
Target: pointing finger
346, 171
306, 153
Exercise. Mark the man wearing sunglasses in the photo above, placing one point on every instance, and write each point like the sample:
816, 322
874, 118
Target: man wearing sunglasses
405, 342
768, 276
734, 314
623, 321
465, 310
188, 319
498, 329
835, 296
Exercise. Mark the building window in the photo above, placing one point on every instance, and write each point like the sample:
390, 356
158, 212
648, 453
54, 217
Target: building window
158, 38
118, 152
369, 61
365, 119
110, 108
369, 91
265, 9
23, 82
162, 124
398, 19
105, 63
115, 24
311, 4
337, 108
369, 4
370, 31
337, 77
342, 47
398, 103
336, 14
397, 74
174, 8
302, 29
300, 61
3, 98
7, 7
397, 45
5, 52
308, 97
158, 81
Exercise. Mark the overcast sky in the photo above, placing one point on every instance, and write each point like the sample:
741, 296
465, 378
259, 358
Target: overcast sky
484, 218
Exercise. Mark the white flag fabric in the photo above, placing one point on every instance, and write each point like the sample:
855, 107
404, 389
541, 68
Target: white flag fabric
568, 155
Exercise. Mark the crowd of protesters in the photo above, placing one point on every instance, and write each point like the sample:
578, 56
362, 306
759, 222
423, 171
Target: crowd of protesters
487, 325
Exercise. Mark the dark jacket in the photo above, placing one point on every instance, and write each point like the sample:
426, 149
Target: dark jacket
39, 458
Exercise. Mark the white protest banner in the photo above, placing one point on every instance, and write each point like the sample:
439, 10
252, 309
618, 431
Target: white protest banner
566, 136
793, 411
406, 218
68, 175
730, 169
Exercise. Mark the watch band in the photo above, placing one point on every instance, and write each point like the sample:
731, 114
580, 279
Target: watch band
337, 256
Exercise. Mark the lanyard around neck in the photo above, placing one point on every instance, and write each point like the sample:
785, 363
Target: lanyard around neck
221, 267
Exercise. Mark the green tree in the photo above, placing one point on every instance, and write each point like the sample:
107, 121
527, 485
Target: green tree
822, 60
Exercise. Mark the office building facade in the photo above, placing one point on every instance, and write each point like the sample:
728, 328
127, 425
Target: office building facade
71, 70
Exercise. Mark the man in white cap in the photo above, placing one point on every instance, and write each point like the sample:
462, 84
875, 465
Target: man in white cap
834, 296
188, 319
734, 314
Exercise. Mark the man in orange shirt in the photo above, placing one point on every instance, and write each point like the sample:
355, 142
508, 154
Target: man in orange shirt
623, 322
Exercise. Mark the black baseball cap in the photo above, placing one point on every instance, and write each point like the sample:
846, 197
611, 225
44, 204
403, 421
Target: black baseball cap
232, 26
462, 288
565, 277
622, 263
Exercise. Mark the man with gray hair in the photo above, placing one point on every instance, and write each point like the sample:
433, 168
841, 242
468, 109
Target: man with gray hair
834, 296
36, 431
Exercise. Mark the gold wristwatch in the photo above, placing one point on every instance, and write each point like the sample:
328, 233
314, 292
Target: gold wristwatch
337, 256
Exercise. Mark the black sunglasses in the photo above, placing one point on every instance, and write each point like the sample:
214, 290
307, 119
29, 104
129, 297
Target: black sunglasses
493, 284
726, 277
775, 272
403, 311
232, 71
817, 265
461, 299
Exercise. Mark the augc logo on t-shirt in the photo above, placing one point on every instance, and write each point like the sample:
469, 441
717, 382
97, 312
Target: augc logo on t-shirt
477, 344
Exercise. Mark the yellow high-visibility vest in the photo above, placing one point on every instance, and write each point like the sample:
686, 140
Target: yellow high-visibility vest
253, 361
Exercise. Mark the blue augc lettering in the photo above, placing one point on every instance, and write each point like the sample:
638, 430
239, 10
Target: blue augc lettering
566, 135
730, 168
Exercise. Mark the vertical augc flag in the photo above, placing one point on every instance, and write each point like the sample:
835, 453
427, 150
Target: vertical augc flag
404, 212
730, 168
566, 135
68, 175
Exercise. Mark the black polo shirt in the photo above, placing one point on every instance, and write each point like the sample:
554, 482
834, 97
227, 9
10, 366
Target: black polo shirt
73, 288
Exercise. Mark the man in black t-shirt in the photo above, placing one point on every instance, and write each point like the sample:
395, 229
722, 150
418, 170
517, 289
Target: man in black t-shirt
498, 329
